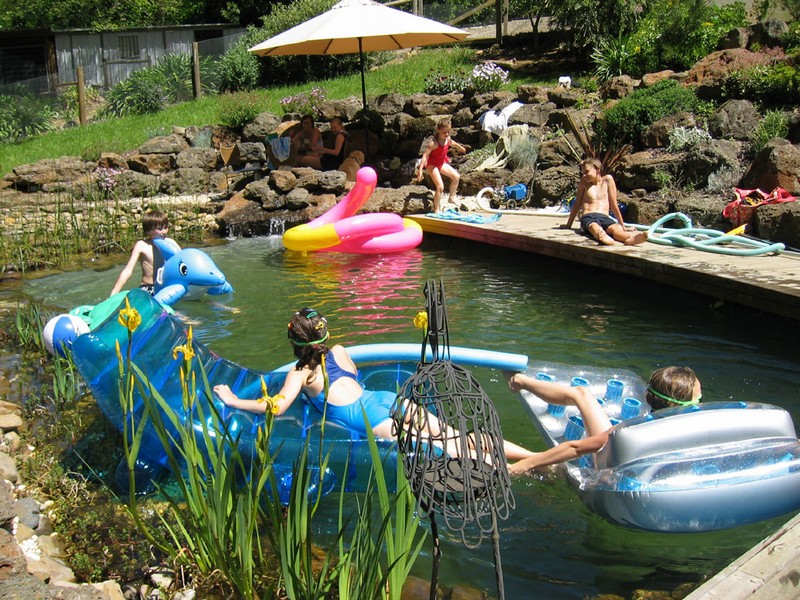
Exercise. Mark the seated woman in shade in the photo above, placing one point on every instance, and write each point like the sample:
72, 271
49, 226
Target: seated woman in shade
327, 375
324, 158
668, 386
306, 138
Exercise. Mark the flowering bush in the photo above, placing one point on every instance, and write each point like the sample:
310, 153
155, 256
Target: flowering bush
487, 77
106, 178
304, 103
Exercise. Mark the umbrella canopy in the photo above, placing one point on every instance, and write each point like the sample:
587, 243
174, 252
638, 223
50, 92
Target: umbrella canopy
359, 26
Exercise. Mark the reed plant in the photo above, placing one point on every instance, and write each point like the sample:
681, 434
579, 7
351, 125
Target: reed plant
54, 235
28, 326
378, 560
66, 385
227, 504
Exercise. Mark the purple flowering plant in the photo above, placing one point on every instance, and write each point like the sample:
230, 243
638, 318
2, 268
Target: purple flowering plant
304, 103
106, 178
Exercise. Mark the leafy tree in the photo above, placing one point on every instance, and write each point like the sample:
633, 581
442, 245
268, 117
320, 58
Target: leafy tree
118, 14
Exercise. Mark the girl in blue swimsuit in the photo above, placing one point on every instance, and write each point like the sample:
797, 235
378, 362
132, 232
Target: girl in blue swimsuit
344, 397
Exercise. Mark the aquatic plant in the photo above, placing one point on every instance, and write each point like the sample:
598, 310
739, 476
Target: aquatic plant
28, 325
224, 502
52, 234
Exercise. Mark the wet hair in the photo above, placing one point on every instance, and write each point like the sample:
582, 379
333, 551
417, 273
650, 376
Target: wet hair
670, 384
154, 219
337, 120
594, 163
308, 332
305, 118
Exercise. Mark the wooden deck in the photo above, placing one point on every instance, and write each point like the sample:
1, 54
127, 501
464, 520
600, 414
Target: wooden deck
769, 571
769, 282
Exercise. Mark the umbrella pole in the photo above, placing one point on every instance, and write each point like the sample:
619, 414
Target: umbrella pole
364, 119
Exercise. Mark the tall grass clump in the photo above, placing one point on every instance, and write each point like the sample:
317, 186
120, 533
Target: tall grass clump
149, 90
774, 124
224, 512
24, 115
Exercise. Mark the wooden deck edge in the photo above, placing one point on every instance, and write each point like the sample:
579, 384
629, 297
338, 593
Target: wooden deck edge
768, 571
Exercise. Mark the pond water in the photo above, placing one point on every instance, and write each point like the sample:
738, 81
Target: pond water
552, 547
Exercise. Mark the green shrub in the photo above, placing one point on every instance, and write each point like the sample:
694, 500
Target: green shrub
149, 90
239, 109
24, 115
775, 124
676, 34
139, 94
766, 85
791, 39
589, 84
239, 69
438, 83
625, 122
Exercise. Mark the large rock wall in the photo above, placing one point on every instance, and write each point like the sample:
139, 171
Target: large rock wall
250, 199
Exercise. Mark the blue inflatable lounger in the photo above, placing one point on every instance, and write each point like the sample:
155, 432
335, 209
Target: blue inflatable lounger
381, 366
709, 466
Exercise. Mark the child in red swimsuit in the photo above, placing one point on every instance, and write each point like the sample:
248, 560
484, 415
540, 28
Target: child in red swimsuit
436, 162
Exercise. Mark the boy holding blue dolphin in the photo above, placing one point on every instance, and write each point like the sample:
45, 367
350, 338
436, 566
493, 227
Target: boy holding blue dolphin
155, 224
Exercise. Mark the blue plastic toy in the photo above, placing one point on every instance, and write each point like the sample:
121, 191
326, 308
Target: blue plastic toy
187, 272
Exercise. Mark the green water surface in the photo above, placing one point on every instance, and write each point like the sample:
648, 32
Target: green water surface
552, 547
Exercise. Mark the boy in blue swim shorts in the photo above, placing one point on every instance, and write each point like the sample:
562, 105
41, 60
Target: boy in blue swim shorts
596, 199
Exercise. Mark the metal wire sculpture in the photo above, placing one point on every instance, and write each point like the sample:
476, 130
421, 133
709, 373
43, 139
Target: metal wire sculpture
449, 437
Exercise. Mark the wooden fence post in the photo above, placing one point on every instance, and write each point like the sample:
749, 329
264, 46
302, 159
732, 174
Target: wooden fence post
196, 84
81, 96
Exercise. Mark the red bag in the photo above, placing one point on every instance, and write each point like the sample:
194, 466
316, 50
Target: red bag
741, 210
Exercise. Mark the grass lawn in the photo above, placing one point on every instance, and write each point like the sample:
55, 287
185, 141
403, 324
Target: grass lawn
406, 76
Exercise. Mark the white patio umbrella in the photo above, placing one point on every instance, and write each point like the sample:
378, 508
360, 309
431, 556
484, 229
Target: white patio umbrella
359, 26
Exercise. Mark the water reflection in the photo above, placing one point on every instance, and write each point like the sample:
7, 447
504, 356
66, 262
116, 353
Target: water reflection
376, 292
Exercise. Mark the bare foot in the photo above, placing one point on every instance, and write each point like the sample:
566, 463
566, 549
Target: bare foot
607, 240
639, 238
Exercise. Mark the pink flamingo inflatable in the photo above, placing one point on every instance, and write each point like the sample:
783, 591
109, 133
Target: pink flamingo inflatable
341, 230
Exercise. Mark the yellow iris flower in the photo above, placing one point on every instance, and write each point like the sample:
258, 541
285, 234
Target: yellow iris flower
421, 320
129, 317
272, 401
185, 349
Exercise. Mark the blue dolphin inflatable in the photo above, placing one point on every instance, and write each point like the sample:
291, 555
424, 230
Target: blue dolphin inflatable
187, 272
